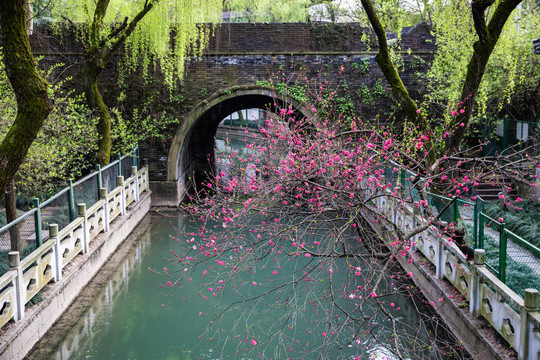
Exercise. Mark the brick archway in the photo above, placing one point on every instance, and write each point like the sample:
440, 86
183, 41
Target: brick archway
193, 142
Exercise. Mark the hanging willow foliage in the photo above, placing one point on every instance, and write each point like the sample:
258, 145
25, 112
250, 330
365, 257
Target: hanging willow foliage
165, 36
270, 10
512, 68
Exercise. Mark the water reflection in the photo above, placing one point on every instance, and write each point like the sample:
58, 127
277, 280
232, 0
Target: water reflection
91, 325
133, 317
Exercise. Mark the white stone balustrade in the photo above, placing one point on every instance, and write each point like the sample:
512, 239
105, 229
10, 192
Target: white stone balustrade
26, 278
516, 318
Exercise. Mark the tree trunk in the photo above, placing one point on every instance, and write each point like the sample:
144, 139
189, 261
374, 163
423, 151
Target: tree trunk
475, 72
390, 72
11, 215
31, 90
92, 69
99, 50
392, 76
488, 36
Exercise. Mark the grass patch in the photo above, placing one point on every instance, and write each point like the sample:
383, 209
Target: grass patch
519, 276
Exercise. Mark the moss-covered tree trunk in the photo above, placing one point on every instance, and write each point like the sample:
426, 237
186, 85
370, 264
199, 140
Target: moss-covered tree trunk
392, 76
91, 71
31, 90
488, 35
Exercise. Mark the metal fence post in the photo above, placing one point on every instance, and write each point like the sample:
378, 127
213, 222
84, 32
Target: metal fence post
475, 224
505, 134
502, 254
455, 211
71, 201
484, 132
99, 180
119, 170
37, 222
480, 222
135, 157
402, 181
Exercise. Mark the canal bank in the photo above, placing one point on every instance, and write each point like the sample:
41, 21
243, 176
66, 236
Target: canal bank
474, 334
105, 285
479, 341
18, 338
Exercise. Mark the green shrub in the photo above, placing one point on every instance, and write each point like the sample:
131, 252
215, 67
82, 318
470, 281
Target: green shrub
524, 222
519, 276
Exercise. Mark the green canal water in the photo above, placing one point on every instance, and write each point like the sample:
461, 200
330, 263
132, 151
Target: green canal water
129, 312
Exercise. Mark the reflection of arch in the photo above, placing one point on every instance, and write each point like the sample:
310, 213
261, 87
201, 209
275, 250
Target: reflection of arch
194, 139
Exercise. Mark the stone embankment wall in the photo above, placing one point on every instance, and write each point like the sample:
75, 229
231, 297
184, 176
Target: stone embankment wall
491, 320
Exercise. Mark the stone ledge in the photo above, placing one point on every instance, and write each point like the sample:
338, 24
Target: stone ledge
18, 338
475, 334
166, 193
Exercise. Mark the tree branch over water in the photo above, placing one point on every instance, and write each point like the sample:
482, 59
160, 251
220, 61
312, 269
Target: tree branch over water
281, 230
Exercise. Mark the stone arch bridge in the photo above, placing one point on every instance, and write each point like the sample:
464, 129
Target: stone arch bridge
228, 78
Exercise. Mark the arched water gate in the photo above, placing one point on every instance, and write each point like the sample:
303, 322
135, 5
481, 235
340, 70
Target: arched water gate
191, 153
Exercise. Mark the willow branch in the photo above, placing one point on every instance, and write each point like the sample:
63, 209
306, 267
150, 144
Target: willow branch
129, 29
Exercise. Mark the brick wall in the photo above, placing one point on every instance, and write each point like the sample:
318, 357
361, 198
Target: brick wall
242, 54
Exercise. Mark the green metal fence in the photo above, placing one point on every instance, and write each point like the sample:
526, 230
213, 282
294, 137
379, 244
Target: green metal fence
31, 229
514, 260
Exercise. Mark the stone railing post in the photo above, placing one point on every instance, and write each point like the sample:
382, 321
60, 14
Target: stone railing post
53, 234
147, 176
474, 287
439, 260
20, 290
81, 209
414, 240
530, 304
120, 182
103, 196
134, 172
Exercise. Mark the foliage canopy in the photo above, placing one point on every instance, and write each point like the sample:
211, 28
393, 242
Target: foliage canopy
513, 70
61, 148
166, 34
